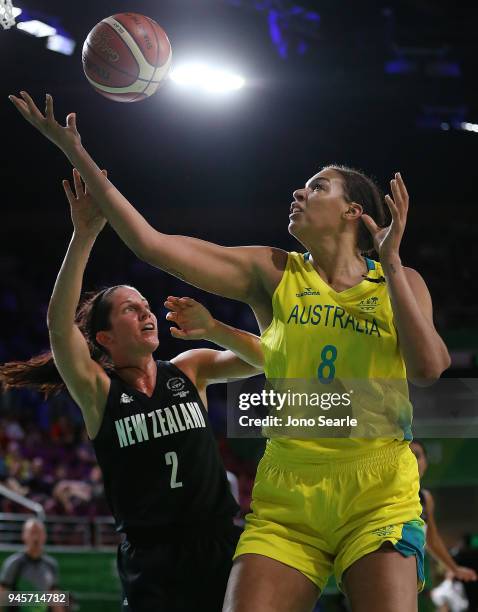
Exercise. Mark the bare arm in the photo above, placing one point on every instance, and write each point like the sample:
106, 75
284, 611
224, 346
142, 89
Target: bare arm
207, 366
424, 352
437, 547
196, 322
85, 379
235, 272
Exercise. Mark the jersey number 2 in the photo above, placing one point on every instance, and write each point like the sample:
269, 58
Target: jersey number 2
172, 459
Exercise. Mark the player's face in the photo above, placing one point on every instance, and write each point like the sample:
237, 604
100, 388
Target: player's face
417, 450
134, 328
319, 207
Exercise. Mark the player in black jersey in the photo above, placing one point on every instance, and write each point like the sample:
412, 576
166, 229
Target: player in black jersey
163, 475
434, 542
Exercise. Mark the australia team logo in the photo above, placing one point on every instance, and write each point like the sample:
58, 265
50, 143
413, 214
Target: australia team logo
177, 386
369, 304
307, 291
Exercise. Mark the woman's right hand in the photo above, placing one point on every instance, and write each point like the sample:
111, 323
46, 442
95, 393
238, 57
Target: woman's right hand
65, 138
86, 216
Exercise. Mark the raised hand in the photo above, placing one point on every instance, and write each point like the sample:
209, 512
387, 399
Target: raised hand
65, 137
86, 216
387, 239
194, 320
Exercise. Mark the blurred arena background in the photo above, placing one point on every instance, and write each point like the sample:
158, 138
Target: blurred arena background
379, 85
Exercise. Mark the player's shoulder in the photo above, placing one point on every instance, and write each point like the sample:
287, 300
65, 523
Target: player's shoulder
48, 560
269, 264
189, 361
271, 256
12, 560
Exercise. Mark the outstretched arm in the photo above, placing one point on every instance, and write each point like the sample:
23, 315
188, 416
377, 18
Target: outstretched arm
236, 272
85, 379
195, 322
437, 547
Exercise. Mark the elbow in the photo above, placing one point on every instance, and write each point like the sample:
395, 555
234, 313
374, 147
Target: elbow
430, 370
426, 377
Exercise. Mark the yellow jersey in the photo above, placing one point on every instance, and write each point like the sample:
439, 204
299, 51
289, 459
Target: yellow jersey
320, 334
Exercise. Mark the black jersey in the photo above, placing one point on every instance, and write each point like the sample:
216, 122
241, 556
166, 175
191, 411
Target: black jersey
424, 514
160, 461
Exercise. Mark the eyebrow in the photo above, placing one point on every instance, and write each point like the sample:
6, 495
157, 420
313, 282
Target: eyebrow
316, 180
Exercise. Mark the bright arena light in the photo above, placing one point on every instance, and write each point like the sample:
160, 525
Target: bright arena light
206, 78
36, 28
61, 44
469, 127
16, 11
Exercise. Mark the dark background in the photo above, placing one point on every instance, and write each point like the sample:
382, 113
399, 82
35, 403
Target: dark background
223, 168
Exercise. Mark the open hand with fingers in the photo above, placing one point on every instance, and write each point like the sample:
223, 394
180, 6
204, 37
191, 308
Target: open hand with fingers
194, 320
85, 214
65, 137
387, 239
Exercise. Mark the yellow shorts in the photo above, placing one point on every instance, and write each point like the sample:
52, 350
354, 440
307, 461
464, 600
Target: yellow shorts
320, 518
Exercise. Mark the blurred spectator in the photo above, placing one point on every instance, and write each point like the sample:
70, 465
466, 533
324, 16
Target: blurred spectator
74, 496
39, 484
13, 430
31, 570
62, 432
16, 464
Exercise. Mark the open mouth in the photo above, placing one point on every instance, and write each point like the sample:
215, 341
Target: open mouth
148, 327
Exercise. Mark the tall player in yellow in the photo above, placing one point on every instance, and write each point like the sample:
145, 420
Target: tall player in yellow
345, 506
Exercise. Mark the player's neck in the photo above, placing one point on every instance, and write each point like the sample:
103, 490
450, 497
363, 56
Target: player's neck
34, 553
337, 260
139, 373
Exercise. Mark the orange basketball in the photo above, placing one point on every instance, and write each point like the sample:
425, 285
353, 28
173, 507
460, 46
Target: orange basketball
126, 57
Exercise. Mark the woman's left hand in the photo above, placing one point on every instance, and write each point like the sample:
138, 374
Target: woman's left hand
387, 239
85, 214
194, 320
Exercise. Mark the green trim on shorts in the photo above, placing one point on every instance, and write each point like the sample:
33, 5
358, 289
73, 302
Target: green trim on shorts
411, 543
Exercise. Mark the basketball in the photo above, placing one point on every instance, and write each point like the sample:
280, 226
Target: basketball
126, 57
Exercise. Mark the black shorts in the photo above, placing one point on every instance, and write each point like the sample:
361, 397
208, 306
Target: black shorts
187, 570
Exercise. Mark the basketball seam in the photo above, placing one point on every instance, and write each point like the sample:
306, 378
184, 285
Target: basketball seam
132, 45
157, 54
119, 70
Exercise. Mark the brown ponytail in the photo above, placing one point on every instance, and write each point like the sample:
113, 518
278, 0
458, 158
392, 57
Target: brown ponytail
40, 372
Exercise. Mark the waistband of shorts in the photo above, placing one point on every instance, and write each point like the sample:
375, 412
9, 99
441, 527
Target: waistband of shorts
349, 461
